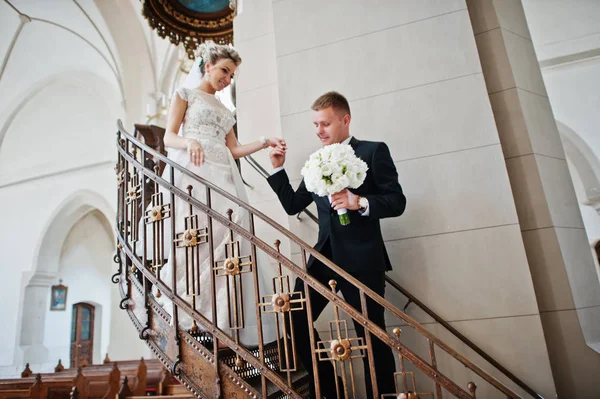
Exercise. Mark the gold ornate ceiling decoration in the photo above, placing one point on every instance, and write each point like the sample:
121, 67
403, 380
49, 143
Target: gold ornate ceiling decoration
191, 22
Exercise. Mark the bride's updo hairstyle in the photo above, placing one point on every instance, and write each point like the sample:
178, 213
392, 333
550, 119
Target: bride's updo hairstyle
211, 52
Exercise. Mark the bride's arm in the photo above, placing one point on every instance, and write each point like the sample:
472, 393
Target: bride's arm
240, 151
173, 140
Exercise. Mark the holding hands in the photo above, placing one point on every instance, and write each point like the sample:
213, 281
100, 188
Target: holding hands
277, 153
197, 155
276, 143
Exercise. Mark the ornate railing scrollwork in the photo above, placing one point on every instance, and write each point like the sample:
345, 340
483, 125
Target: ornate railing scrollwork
123, 305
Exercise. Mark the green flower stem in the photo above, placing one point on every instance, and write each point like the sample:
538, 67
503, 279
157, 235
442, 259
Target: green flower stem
344, 219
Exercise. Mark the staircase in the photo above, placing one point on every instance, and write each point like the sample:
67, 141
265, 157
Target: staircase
270, 370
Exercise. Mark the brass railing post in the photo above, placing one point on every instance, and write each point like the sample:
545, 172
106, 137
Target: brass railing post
261, 344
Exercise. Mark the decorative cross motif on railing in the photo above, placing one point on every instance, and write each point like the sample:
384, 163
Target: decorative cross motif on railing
134, 193
341, 350
120, 175
232, 268
401, 380
281, 304
121, 188
156, 216
190, 240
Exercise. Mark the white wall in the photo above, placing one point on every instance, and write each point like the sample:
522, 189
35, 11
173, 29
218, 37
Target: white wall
35, 206
64, 86
85, 271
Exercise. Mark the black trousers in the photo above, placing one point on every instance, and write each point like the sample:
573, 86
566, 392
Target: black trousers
382, 354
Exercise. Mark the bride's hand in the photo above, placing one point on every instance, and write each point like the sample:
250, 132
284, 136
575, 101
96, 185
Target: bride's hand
276, 142
196, 153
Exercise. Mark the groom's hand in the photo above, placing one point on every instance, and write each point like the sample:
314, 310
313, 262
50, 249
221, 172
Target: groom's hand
277, 156
345, 199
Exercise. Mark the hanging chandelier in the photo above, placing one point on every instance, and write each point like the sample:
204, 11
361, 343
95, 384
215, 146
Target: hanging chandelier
191, 22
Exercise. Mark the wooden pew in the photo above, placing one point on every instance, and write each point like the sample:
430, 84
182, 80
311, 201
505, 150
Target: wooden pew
35, 391
57, 389
91, 383
86, 383
143, 376
135, 371
166, 381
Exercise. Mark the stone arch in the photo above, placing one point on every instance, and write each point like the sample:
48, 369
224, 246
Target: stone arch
46, 266
582, 157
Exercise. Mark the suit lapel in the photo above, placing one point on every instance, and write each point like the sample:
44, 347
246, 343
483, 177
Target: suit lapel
324, 201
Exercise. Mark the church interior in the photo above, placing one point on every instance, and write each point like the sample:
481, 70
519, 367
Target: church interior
489, 108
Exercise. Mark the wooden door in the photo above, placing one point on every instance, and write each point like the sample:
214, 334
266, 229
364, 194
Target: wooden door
82, 334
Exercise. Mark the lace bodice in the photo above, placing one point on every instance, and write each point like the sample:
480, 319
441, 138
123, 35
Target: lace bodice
208, 121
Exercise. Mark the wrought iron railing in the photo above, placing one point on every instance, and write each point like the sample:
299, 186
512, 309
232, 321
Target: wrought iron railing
200, 366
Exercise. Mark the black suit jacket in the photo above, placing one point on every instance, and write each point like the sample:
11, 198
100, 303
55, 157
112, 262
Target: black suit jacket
358, 247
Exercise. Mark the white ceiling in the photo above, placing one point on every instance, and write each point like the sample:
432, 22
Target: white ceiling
561, 28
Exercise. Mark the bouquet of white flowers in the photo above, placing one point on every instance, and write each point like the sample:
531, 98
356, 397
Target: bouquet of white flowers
332, 169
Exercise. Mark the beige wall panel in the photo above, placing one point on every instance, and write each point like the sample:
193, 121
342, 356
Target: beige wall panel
571, 358
256, 19
560, 194
458, 191
494, 61
541, 125
427, 120
335, 20
511, 124
456, 274
258, 115
524, 63
259, 67
528, 192
423, 52
553, 290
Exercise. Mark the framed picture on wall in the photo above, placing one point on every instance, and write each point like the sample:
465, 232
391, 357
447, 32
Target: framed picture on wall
58, 297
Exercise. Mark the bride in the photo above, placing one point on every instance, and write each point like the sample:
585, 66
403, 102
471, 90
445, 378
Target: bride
206, 145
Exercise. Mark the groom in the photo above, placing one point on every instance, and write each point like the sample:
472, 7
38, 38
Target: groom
357, 248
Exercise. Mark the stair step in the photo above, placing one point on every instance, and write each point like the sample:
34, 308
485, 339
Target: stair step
228, 357
299, 383
253, 376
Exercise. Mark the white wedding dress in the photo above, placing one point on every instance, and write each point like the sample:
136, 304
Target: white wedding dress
208, 121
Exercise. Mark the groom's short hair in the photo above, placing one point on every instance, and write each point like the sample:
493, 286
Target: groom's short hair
332, 99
